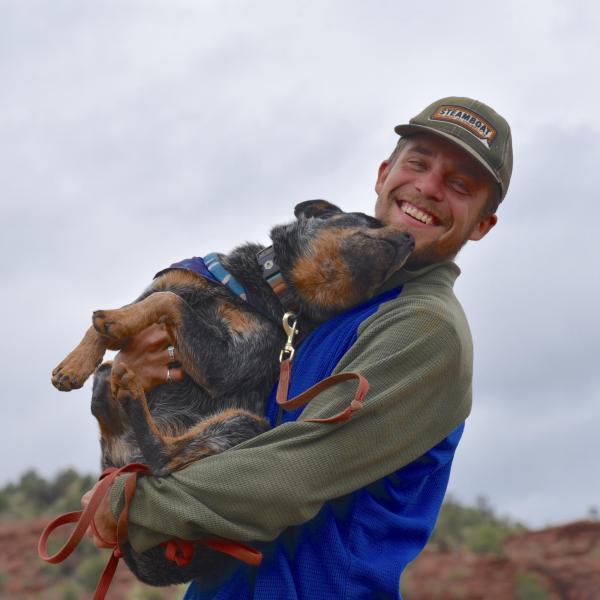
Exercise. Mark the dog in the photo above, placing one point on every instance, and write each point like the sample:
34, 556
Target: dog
228, 345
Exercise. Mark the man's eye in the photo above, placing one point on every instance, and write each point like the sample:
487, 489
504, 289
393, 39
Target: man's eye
459, 185
416, 164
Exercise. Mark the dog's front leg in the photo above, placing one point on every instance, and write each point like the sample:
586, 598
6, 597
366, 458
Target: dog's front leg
121, 323
79, 364
168, 308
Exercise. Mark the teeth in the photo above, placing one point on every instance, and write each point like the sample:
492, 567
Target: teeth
414, 212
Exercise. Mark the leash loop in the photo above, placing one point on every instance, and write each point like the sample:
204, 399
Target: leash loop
306, 396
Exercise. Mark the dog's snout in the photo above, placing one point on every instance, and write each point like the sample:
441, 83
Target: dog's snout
409, 240
404, 239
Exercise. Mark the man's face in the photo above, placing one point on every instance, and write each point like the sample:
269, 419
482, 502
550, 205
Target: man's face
435, 191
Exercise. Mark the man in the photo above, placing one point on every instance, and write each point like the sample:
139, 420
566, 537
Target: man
339, 511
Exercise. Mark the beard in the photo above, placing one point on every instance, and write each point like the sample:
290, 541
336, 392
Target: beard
432, 253
443, 249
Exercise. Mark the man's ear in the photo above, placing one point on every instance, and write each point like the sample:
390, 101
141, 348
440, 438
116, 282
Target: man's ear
382, 173
315, 208
482, 228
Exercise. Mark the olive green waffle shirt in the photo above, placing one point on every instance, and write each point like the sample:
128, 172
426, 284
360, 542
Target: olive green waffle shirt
415, 351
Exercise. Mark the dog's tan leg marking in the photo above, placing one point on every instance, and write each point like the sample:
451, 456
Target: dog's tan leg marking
121, 323
73, 371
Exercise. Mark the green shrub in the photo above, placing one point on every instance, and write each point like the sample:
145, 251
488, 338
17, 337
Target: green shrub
486, 538
89, 570
3, 579
529, 586
67, 590
474, 528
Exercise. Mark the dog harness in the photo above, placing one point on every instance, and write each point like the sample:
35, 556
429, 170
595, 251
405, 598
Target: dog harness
210, 267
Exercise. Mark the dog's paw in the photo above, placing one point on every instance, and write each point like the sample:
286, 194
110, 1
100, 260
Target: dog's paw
108, 324
73, 372
125, 384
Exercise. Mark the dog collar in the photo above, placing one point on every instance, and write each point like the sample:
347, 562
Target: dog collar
270, 270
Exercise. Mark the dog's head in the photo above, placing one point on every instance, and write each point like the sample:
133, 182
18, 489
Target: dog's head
333, 260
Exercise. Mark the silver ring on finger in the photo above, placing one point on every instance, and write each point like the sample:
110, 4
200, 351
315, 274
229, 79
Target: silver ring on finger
171, 351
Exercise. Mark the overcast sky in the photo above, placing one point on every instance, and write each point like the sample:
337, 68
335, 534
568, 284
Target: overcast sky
136, 133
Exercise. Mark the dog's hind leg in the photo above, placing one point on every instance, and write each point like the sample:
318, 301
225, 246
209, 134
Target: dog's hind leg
165, 453
118, 445
213, 435
130, 396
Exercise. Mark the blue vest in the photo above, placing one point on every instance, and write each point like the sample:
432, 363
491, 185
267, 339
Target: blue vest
357, 545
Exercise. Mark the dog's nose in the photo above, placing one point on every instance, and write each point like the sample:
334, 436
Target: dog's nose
406, 239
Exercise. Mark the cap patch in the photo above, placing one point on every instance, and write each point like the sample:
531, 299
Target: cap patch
467, 119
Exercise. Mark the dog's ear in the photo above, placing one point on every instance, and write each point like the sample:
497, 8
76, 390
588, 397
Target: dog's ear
316, 208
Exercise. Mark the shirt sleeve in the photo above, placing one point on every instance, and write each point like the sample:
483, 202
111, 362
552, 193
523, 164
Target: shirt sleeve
418, 364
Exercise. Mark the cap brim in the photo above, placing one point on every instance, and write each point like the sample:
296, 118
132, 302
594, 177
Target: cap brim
412, 129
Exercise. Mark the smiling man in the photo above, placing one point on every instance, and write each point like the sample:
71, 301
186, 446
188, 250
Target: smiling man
339, 510
446, 177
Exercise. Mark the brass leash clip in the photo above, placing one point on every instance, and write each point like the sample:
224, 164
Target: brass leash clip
290, 329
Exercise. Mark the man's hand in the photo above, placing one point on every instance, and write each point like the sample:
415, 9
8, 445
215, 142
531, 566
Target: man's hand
103, 519
146, 354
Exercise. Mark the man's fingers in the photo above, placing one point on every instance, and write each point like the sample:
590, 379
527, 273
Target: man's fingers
177, 373
174, 374
171, 356
97, 542
85, 499
154, 337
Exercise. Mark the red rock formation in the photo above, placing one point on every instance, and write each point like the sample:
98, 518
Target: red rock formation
559, 563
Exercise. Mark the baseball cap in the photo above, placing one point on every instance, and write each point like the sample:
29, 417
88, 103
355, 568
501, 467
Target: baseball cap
475, 127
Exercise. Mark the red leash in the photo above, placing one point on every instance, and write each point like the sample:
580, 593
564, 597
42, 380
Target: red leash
179, 551
304, 398
85, 518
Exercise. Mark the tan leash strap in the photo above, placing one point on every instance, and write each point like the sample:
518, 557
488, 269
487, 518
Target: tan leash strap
179, 551
82, 518
310, 393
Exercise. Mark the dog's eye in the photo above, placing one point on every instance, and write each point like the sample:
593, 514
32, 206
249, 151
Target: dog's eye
326, 215
368, 220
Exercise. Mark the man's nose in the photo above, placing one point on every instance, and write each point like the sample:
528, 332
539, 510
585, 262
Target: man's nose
430, 184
